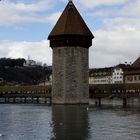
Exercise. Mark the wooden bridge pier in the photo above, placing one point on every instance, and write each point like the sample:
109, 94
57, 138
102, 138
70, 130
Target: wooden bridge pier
98, 101
124, 102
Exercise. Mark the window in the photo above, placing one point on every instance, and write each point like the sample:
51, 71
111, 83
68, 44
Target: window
129, 78
135, 78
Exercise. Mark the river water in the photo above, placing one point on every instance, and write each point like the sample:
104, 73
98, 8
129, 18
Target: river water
42, 122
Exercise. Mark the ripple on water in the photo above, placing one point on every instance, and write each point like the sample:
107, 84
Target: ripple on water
41, 122
110, 124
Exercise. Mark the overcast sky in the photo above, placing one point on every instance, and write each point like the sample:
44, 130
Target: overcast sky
26, 24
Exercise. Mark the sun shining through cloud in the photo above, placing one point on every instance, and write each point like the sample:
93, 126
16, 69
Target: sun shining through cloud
25, 25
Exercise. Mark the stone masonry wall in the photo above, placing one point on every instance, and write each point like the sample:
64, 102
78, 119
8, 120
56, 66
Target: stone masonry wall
70, 75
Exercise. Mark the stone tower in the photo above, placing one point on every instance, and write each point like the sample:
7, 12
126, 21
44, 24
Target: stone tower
70, 40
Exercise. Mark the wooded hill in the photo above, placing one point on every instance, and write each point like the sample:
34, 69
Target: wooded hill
13, 70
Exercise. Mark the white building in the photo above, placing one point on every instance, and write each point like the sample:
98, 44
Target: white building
122, 73
29, 62
110, 75
117, 75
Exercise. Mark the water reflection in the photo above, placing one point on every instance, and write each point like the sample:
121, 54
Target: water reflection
40, 122
70, 122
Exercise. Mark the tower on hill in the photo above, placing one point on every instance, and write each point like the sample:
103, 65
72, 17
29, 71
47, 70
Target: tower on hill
70, 40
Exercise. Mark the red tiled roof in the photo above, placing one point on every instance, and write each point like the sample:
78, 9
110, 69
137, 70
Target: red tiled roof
134, 72
136, 63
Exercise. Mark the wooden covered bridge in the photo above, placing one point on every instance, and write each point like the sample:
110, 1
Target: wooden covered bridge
25, 94
111, 91
42, 94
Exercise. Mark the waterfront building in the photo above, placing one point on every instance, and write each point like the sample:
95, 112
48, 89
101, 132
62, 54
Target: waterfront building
119, 74
133, 74
136, 63
108, 75
100, 76
70, 40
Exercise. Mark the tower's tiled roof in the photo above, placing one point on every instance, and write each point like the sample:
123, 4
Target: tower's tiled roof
70, 23
136, 63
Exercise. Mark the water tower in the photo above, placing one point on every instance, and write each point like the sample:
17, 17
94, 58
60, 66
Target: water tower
70, 40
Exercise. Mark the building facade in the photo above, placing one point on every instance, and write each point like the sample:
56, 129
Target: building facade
132, 76
100, 76
119, 74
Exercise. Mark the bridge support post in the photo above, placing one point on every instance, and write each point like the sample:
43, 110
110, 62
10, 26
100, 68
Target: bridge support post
32, 100
124, 102
25, 100
37, 99
20, 99
45, 100
50, 100
14, 99
99, 101
7, 100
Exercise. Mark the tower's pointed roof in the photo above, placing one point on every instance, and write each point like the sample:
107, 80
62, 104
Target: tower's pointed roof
70, 23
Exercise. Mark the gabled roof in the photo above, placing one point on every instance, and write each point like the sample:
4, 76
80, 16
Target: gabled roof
70, 23
132, 72
136, 63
